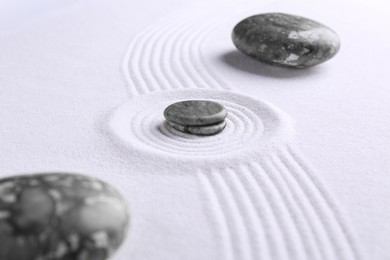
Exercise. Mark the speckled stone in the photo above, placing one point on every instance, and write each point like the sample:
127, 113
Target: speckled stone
60, 216
286, 40
195, 113
200, 130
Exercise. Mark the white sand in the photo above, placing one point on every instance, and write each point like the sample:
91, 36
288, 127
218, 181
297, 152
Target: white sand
245, 194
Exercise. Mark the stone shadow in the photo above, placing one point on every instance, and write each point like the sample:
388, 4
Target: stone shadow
250, 65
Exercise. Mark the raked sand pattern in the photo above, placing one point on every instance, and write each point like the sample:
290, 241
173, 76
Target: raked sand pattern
264, 200
252, 126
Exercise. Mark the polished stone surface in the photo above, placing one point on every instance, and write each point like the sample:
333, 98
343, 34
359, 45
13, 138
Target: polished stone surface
200, 130
195, 113
286, 40
60, 216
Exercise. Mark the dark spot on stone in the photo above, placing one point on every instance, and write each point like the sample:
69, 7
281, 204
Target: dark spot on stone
60, 216
195, 113
285, 40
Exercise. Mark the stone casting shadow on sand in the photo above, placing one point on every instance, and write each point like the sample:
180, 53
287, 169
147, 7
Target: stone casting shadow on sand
250, 65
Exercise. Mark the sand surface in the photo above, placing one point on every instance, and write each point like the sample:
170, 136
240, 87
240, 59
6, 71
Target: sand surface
300, 170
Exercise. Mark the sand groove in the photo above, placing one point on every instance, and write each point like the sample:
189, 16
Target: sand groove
268, 204
168, 55
249, 122
288, 223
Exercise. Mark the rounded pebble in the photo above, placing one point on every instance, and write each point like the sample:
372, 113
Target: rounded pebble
195, 113
200, 130
60, 216
286, 40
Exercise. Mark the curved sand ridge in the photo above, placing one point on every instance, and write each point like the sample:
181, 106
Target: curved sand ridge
275, 208
266, 204
250, 124
168, 55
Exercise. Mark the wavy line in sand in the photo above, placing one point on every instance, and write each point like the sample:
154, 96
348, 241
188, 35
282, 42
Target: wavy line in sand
225, 239
326, 235
283, 210
135, 74
157, 58
249, 122
316, 192
316, 245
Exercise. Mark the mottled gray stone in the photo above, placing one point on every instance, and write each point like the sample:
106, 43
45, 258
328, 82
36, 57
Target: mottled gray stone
195, 113
286, 40
60, 216
200, 130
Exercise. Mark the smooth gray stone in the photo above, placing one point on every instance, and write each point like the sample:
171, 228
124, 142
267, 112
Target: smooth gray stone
286, 40
200, 130
195, 113
60, 216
